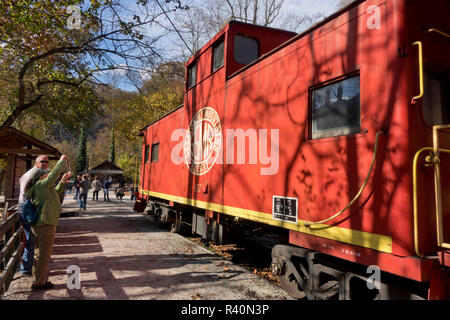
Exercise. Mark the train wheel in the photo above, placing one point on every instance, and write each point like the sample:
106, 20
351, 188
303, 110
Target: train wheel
291, 285
175, 223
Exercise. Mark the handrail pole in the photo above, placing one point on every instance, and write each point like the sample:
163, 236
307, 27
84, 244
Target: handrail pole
420, 47
442, 33
437, 186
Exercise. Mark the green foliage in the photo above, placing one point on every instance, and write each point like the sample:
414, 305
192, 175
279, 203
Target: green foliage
112, 149
45, 64
81, 155
162, 93
34, 63
130, 167
68, 106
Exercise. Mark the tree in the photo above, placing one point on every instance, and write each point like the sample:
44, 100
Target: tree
262, 12
81, 155
112, 148
40, 53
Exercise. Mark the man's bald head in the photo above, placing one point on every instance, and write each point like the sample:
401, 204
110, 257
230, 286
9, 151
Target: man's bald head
41, 162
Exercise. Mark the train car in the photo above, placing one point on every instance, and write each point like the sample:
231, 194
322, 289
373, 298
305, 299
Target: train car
338, 136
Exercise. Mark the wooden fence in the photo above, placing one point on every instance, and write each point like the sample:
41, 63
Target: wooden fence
11, 246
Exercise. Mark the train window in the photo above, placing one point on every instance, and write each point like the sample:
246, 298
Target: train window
192, 75
218, 56
146, 154
436, 100
336, 108
245, 49
155, 152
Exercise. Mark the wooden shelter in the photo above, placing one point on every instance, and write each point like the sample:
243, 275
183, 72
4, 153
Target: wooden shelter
107, 169
20, 150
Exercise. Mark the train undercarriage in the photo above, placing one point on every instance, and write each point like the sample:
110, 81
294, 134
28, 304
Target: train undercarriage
303, 273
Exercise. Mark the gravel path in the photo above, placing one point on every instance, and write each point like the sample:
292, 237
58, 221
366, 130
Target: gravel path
121, 255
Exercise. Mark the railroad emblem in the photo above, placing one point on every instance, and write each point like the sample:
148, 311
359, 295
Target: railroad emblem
203, 141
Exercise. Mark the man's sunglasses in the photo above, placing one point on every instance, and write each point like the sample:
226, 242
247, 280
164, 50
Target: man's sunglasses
43, 161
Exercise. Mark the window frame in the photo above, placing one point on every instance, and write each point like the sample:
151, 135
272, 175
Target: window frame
193, 65
336, 132
152, 151
218, 43
248, 37
147, 153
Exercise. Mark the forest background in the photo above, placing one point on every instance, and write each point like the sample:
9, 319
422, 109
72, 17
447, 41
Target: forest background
105, 69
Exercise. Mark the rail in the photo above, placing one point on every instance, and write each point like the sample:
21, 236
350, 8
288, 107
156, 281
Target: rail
421, 82
10, 248
432, 160
309, 224
442, 33
437, 185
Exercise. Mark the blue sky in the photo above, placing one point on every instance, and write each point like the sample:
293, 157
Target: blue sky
311, 6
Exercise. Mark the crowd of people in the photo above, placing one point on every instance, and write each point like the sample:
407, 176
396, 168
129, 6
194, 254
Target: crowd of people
83, 183
46, 189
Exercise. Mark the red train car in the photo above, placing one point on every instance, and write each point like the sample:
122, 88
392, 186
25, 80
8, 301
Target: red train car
338, 135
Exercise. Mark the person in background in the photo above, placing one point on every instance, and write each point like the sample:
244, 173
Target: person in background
120, 193
106, 186
96, 186
76, 185
132, 192
26, 265
85, 185
46, 197
68, 187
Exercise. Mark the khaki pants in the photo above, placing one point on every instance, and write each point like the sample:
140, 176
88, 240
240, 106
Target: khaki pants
45, 236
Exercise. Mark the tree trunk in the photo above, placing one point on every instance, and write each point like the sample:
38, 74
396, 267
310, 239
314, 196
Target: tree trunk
18, 111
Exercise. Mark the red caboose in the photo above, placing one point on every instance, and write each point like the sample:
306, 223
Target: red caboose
338, 135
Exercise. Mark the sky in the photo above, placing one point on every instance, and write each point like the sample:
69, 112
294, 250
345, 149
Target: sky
311, 6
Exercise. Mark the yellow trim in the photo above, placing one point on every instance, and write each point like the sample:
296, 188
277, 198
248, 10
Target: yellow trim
363, 239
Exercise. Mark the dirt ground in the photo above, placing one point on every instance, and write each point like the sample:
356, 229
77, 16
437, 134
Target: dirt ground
121, 255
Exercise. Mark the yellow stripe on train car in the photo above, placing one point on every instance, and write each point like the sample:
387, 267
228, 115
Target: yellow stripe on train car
359, 238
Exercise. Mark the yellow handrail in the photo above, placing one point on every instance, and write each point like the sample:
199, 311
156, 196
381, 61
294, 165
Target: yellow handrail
437, 186
415, 209
442, 33
419, 44
309, 224
433, 160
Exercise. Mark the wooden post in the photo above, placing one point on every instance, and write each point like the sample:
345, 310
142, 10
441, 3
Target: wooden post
10, 176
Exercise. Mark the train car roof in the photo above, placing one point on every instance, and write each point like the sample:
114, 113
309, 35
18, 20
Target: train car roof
224, 29
301, 35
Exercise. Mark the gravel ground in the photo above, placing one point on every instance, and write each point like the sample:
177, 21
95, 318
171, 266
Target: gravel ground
121, 255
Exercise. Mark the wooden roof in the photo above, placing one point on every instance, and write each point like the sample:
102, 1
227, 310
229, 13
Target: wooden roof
13, 141
106, 166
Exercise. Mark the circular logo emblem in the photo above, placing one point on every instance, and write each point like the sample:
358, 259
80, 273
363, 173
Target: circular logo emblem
203, 141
